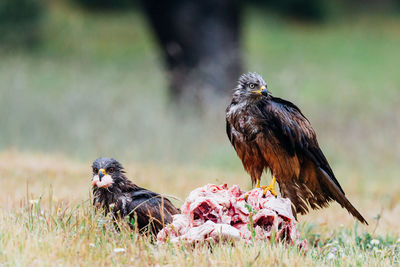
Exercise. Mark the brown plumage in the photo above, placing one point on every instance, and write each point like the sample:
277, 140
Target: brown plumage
115, 193
271, 133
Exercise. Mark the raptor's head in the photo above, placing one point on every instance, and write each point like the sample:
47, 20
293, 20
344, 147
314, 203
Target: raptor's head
107, 172
251, 86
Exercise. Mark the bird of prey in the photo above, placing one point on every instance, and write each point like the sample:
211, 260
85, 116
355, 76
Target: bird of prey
270, 133
113, 192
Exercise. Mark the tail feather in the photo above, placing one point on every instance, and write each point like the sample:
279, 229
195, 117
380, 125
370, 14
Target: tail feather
337, 195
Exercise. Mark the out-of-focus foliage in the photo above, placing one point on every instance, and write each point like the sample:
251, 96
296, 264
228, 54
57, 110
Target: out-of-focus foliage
320, 10
384, 6
106, 4
310, 10
302, 9
20, 22
314, 10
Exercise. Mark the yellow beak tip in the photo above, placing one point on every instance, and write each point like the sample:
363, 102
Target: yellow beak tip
257, 92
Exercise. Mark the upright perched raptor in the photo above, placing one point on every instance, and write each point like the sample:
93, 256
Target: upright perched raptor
271, 133
115, 193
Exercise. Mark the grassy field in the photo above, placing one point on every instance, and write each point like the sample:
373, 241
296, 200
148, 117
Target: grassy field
96, 87
46, 219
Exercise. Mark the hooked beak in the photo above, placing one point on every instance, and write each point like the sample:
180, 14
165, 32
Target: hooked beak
102, 172
262, 90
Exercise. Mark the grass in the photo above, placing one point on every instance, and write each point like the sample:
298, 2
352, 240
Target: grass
96, 87
46, 218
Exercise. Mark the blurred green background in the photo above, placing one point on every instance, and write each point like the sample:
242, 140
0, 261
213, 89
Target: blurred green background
89, 82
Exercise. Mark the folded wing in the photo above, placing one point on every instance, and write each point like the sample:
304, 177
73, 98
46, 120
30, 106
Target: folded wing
293, 143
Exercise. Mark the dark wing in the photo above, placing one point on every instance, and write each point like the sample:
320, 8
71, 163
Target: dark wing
151, 210
316, 183
295, 133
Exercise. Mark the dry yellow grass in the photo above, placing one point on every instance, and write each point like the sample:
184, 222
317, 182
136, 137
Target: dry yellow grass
62, 228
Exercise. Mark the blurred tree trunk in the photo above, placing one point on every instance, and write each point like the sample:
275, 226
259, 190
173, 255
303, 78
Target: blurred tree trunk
200, 44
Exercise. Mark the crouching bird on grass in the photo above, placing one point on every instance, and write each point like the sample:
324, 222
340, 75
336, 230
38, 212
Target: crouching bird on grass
115, 193
271, 133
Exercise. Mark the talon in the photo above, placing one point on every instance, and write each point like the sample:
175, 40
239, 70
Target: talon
270, 187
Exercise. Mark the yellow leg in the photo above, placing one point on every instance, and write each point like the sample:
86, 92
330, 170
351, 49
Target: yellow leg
270, 187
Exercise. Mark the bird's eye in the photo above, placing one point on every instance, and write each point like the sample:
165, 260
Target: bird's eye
110, 170
95, 170
252, 85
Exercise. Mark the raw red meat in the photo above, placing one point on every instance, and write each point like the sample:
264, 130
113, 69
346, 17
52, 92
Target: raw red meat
218, 212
